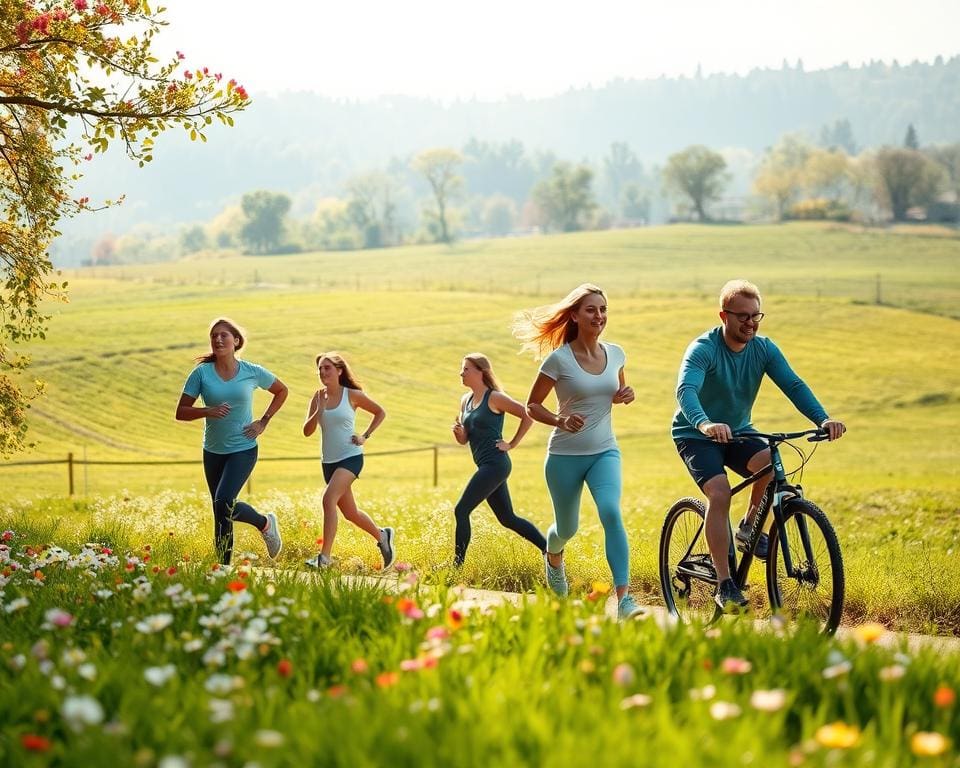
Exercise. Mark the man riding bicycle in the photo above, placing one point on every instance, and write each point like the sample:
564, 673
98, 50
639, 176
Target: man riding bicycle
717, 385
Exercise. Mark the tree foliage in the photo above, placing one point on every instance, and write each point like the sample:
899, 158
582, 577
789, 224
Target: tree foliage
263, 229
440, 168
566, 198
698, 174
85, 64
905, 178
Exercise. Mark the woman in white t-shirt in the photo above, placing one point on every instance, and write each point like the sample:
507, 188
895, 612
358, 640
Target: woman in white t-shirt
333, 409
587, 375
226, 385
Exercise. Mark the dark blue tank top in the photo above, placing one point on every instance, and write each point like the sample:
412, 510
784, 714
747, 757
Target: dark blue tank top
484, 428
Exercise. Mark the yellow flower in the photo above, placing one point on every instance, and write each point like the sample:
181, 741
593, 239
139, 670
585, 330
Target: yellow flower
928, 744
838, 735
601, 587
869, 632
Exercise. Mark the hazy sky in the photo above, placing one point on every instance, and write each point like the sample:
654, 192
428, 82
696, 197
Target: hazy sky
489, 49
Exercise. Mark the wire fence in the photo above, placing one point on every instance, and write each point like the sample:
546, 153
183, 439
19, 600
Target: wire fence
73, 463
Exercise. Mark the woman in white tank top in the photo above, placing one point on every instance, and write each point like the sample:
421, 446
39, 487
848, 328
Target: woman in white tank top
333, 409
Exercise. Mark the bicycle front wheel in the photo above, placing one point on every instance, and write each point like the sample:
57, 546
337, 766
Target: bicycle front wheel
687, 575
814, 586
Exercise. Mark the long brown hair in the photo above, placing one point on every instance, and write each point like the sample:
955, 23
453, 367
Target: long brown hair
346, 378
236, 330
486, 370
550, 326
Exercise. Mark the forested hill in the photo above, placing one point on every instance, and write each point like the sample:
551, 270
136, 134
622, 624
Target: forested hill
303, 143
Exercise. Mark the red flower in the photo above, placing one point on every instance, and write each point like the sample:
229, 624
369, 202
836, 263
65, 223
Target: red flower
187, 75
33, 743
284, 667
242, 92
80, 5
944, 697
236, 585
171, 570
103, 10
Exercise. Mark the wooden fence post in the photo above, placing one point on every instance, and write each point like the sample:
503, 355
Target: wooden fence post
70, 471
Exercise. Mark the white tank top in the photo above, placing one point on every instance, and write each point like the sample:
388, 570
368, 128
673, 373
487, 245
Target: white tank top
336, 429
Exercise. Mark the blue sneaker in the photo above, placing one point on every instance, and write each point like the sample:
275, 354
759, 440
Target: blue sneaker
556, 577
627, 608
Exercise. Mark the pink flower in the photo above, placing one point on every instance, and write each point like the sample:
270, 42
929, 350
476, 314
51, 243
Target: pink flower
437, 633
80, 5
623, 675
187, 75
179, 54
359, 666
242, 92
735, 666
58, 618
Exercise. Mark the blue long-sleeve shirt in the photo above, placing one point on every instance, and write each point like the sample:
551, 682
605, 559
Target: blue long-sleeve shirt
719, 385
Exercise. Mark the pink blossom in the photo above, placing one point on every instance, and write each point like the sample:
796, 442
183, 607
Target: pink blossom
188, 75
623, 675
180, 55
58, 617
735, 666
80, 5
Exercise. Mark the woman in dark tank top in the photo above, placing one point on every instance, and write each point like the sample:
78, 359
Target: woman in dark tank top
480, 423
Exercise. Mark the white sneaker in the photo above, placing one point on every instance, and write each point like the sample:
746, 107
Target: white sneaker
271, 535
319, 562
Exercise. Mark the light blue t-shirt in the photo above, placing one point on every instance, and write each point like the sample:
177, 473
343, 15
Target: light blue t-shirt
590, 395
719, 385
226, 435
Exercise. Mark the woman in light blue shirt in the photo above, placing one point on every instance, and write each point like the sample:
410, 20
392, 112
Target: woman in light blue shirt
230, 432
587, 375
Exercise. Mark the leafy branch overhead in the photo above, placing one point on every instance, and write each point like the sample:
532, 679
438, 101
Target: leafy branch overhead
66, 68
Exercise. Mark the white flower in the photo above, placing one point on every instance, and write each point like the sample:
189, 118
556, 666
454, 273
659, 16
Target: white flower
637, 700
87, 671
81, 711
221, 710
16, 604
173, 761
221, 685
703, 694
159, 675
156, 623
724, 710
768, 701
72, 657
103, 594
893, 672
18, 662
193, 645
268, 738
837, 670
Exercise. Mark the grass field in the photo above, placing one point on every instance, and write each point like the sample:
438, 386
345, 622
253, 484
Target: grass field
119, 352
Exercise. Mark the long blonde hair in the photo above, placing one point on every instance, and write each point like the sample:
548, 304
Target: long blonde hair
550, 326
347, 377
237, 332
486, 370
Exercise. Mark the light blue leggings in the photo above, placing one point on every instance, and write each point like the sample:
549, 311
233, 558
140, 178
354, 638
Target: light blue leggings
601, 472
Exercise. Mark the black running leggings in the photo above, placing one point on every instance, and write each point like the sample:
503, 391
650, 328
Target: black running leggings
226, 473
490, 483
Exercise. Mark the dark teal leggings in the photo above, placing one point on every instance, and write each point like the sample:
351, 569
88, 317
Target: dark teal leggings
226, 473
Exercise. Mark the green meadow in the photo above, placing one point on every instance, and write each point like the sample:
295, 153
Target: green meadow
868, 318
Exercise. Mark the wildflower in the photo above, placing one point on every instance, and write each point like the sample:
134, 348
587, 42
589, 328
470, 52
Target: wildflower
269, 739
409, 608
221, 710
768, 701
284, 667
869, 632
410, 665
157, 676
80, 5
173, 761
180, 56
81, 711
454, 619
724, 710
838, 735
6, 536
34, 743
103, 9
733, 665
57, 618
359, 666
944, 697
928, 744
624, 675
386, 679
236, 585
837, 670
156, 623
87, 672
16, 605
703, 694
221, 685
336, 691
891, 673
637, 700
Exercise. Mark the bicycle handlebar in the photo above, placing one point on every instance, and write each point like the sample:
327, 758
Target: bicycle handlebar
816, 435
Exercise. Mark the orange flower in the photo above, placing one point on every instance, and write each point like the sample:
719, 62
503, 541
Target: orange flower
454, 619
944, 697
870, 632
284, 667
33, 743
236, 586
320, 541
838, 735
38, 575
336, 691
928, 744
386, 679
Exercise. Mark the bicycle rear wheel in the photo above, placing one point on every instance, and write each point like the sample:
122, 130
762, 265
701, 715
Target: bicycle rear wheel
815, 587
687, 575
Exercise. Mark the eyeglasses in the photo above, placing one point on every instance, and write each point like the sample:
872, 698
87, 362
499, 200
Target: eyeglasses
744, 316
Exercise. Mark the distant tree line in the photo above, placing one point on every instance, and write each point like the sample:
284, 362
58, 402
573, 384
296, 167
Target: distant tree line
498, 189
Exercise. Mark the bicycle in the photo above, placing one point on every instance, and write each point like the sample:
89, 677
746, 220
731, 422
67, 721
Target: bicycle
804, 578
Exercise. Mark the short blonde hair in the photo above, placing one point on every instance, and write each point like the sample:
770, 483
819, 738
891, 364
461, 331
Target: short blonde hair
738, 288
